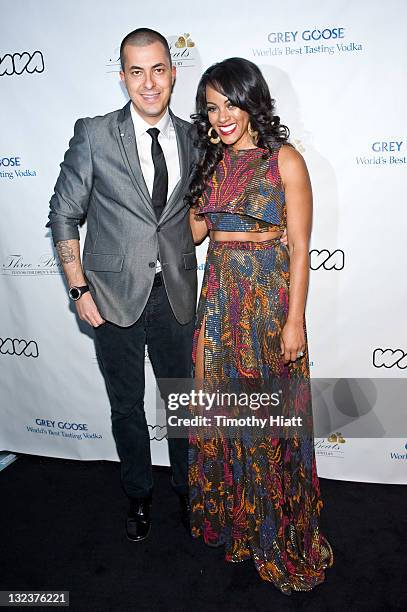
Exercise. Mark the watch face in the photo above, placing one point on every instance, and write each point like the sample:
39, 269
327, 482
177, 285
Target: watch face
74, 293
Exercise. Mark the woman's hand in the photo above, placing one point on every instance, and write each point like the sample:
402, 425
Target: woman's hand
198, 226
292, 341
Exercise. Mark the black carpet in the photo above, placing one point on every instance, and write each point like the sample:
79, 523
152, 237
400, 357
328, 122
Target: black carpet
62, 529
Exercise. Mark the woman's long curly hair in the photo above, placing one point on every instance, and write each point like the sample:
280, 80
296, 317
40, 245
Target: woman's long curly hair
244, 86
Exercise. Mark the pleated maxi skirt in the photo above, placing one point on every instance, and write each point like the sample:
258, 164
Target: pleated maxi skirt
258, 495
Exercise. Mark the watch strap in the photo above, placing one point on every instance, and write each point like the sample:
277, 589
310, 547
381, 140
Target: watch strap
75, 293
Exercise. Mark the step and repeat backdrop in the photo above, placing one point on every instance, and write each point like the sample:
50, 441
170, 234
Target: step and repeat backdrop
337, 71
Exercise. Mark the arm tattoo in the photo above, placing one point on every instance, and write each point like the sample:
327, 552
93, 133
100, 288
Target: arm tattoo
65, 252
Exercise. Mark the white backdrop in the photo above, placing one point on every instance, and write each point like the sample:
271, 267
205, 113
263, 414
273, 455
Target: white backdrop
337, 71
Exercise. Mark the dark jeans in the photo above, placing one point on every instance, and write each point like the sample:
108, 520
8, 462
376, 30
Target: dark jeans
120, 352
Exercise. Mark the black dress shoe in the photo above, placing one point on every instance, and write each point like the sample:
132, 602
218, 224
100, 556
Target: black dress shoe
185, 511
138, 522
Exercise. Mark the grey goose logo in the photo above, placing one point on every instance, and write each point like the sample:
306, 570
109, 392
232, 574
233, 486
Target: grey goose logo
17, 63
389, 358
19, 347
327, 260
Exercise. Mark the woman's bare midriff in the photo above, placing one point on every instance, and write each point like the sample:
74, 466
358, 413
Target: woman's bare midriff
244, 236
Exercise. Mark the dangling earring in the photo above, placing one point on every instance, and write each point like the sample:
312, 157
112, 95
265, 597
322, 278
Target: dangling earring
254, 135
211, 138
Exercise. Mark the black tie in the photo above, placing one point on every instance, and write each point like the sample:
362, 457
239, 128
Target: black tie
160, 185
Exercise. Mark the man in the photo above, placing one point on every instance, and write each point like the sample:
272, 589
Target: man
127, 173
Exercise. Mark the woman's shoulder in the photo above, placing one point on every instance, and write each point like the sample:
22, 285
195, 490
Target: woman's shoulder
288, 153
290, 161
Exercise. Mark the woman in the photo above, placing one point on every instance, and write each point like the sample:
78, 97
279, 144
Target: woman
258, 494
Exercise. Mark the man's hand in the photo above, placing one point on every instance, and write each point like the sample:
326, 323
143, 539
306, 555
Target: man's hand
88, 311
68, 251
284, 239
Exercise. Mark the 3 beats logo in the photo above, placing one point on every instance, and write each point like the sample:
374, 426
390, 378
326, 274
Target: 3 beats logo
389, 358
17, 63
21, 348
327, 260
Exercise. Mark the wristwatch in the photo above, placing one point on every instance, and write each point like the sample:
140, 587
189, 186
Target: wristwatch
77, 292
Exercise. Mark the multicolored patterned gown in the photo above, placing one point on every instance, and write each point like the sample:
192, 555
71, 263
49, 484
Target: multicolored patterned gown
258, 495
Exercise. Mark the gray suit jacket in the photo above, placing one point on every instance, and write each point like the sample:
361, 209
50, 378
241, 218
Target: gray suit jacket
101, 180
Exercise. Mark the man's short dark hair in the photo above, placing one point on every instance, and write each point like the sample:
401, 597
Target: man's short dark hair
141, 38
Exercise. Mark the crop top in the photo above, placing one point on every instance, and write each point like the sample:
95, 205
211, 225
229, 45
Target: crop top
245, 193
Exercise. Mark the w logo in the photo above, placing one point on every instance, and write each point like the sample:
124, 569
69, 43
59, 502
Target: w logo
157, 432
389, 358
14, 346
327, 260
17, 63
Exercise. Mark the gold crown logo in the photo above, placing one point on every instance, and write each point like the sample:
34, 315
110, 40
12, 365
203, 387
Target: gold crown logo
184, 41
336, 437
